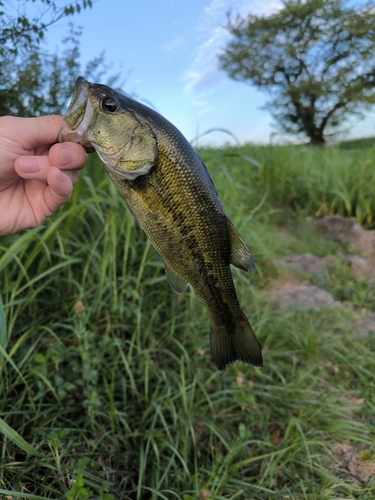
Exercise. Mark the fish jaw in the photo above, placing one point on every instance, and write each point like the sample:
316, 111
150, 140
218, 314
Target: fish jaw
79, 117
111, 164
86, 123
77, 107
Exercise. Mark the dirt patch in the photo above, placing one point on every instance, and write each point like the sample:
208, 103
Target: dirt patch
307, 263
361, 464
361, 268
348, 230
302, 295
366, 325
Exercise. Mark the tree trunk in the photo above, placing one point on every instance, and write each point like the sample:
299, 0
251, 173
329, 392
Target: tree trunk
317, 139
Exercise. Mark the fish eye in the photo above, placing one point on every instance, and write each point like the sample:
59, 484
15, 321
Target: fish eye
109, 104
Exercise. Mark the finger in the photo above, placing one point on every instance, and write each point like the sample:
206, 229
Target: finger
34, 132
68, 156
38, 167
58, 190
72, 174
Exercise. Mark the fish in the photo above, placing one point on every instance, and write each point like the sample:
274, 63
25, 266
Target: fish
168, 190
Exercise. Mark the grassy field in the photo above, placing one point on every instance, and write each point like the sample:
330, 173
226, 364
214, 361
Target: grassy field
107, 389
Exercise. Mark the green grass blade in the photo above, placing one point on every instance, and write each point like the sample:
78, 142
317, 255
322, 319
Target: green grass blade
3, 331
18, 440
19, 495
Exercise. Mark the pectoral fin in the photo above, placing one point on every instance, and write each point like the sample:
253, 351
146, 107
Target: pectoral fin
240, 255
177, 284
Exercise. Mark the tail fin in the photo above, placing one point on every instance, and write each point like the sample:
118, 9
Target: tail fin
238, 345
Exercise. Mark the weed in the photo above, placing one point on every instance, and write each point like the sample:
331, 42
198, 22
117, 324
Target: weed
107, 385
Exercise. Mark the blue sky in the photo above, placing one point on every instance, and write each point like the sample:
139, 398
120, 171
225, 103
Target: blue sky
167, 51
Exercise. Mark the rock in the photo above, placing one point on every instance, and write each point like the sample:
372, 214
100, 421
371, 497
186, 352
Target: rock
302, 295
345, 229
365, 326
361, 268
306, 263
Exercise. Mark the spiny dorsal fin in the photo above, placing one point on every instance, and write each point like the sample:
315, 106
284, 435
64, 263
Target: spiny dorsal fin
177, 284
240, 255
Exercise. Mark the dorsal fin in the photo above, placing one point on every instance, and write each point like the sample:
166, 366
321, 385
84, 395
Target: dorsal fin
240, 255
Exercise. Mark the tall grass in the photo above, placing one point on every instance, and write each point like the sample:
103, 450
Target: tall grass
107, 389
309, 181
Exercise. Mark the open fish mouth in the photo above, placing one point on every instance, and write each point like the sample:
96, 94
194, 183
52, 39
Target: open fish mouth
79, 116
129, 150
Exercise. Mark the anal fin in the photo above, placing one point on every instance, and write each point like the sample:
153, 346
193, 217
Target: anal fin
240, 255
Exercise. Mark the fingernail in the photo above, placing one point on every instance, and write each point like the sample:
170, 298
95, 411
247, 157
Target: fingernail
64, 178
30, 165
66, 156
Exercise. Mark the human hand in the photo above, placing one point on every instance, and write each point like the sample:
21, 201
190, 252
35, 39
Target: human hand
36, 175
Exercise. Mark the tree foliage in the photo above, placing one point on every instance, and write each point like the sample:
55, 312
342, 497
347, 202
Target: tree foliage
316, 57
34, 81
20, 28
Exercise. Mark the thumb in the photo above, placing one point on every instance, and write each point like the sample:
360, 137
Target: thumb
33, 132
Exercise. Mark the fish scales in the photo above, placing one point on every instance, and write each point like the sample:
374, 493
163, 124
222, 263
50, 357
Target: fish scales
176, 204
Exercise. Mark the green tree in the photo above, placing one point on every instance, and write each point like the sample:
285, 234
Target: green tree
21, 27
315, 57
34, 81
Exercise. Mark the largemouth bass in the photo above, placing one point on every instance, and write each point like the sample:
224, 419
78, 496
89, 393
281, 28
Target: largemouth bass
169, 191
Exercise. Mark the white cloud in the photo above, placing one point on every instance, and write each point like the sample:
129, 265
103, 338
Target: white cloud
202, 105
205, 80
204, 73
175, 45
212, 15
